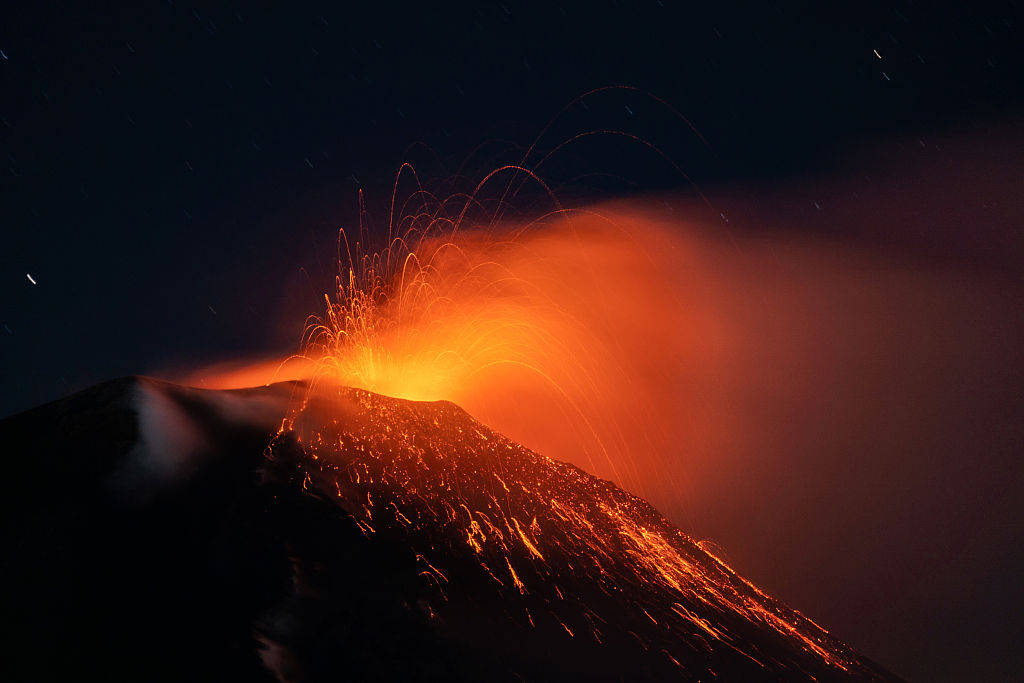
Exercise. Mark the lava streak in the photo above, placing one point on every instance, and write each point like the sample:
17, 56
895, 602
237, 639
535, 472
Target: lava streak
542, 549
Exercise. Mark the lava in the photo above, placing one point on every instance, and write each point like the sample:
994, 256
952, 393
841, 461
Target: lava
496, 528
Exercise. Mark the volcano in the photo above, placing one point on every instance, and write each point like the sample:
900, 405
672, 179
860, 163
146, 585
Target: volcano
155, 531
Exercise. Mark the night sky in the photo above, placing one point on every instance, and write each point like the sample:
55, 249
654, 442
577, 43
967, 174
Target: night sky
174, 174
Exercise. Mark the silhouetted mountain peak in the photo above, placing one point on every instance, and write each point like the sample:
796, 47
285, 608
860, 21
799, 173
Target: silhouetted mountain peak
298, 534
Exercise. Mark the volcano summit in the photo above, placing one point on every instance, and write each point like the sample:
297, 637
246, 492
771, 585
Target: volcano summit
161, 532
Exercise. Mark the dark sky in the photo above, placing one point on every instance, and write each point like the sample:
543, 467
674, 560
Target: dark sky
172, 171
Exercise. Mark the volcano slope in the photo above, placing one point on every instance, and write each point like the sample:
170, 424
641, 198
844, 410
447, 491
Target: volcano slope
158, 532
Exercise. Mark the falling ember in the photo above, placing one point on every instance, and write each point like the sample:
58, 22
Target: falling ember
454, 496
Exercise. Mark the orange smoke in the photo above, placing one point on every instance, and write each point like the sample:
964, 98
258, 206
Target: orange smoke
568, 334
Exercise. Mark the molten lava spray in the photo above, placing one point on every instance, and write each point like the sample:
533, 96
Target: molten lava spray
564, 334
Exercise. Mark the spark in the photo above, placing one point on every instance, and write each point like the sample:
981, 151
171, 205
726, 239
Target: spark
876, 54
30, 278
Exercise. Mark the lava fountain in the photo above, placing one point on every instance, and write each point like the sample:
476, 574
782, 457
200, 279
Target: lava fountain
559, 332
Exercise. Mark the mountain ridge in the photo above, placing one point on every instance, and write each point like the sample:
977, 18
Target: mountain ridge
310, 538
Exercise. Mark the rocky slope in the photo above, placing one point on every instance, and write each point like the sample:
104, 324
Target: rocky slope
155, 531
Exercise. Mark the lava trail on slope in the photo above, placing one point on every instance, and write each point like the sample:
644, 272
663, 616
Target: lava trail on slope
154, 533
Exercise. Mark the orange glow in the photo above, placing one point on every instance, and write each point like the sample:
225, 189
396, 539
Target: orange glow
237, 375
565, 333
569, 333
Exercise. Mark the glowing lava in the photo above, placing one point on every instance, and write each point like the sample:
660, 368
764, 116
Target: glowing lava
505, 545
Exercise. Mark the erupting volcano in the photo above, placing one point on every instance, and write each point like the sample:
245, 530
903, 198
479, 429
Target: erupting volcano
357, 521
620, 341
361, 523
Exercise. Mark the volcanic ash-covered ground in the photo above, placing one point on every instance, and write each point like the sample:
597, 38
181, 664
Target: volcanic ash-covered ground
159, 532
